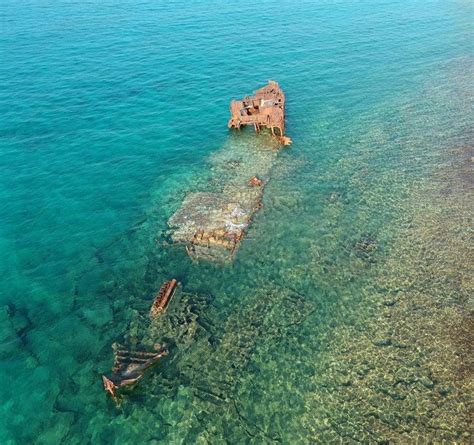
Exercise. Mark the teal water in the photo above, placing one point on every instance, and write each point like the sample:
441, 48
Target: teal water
111, 112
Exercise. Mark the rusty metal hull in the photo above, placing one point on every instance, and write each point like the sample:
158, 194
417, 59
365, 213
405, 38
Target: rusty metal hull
265, 109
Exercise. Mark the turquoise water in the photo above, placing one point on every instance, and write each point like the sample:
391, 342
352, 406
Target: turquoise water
113, 111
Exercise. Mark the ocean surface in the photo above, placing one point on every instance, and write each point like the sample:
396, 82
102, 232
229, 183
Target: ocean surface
345, 316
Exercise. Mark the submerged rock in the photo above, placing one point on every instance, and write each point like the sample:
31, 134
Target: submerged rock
427, 382
383, 341
14, 326
334, 197
366, 245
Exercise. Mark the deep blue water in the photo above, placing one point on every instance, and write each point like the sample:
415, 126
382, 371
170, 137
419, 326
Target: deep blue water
111, 112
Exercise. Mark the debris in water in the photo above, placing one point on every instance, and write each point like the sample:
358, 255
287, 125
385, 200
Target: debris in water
255, 182
266, 108
130, 366
366, 246
211, 225
163, 298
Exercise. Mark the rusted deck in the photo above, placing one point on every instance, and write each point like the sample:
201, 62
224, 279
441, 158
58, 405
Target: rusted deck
266, 108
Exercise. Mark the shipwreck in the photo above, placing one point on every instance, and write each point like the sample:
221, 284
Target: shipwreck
131, 365
211, 225
265, 109
163, 298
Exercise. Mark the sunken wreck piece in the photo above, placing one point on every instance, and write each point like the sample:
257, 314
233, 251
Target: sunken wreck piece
266, 108
130, 366
183, 326
211, 225
163, 298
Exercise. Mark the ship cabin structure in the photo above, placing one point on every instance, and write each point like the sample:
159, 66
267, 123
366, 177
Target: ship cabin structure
266, 108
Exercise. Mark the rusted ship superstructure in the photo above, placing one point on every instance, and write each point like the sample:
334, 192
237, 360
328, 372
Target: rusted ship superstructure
266, 108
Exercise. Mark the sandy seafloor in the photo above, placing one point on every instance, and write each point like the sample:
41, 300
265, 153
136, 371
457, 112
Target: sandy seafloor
346, 316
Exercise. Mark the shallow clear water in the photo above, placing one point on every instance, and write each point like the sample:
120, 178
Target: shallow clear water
345, 315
